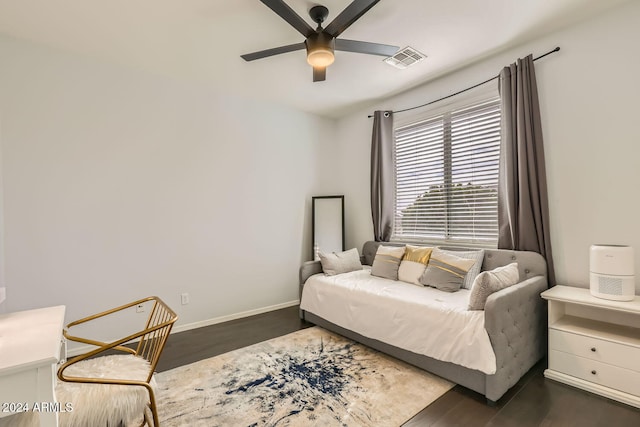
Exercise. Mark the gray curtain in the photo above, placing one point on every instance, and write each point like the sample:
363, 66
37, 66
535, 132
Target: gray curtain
382, 176
523, 205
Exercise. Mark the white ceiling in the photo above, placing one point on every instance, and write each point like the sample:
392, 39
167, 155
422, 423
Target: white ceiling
202, 40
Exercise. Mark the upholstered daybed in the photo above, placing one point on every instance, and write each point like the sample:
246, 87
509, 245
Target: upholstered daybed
492, 348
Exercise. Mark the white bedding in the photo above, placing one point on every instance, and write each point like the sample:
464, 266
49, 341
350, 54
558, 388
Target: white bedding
419, 319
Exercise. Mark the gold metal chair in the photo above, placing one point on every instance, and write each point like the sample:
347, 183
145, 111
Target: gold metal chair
145, 354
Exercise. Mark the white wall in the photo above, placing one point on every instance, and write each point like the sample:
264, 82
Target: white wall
589, 93
120, 184
3, 289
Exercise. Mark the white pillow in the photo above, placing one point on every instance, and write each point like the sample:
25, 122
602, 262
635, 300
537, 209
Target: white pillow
340, 262
413, 263
492, 281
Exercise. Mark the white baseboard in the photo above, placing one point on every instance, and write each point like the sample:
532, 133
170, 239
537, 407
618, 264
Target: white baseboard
222, 319
194, 325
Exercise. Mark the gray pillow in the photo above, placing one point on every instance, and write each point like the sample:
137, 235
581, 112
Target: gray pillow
340, 262
492, 281
446, 271
476, 255
387, 262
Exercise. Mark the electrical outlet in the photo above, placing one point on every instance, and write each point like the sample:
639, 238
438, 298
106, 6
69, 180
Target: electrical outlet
184, 298
140, 308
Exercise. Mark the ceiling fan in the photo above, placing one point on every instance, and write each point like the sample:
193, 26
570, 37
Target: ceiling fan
322, 42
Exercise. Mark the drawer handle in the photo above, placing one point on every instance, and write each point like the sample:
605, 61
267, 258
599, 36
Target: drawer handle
594, 372
593, 349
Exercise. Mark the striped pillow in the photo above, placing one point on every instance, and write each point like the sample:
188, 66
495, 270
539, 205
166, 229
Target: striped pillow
446, 271
477, 255
413, 264
387, 262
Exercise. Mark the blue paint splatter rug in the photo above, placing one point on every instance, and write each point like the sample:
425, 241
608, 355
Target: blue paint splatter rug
311, 377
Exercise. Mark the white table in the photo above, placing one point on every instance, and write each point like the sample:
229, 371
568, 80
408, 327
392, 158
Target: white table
29, 353
594, 343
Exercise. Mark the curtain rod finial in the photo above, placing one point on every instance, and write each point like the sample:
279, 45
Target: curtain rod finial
386, 114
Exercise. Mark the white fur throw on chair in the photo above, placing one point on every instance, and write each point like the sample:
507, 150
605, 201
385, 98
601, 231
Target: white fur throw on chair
105, 404
98, 405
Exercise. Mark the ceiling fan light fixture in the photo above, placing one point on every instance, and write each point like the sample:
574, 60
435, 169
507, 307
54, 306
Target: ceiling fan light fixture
320, 56
320, 50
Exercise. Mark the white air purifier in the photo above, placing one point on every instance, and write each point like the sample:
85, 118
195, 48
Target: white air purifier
612, 274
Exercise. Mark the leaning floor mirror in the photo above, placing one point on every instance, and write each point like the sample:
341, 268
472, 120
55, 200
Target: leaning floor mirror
327, 224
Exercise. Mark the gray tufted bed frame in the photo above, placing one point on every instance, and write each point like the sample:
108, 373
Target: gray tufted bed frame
515, 320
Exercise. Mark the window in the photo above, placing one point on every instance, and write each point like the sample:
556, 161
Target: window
447, 176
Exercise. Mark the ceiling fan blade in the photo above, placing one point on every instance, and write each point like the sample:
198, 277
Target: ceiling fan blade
319, 74
365, 47
348, 16
289, 15
275, 51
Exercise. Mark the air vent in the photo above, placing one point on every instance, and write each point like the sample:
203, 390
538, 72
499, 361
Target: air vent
405, 58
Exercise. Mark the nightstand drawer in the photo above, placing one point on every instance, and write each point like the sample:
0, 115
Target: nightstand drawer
596, 372
611, 353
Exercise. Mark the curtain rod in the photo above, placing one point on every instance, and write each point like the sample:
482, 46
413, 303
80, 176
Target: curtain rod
467, 89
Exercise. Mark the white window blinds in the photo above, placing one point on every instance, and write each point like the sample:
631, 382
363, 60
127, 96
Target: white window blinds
447, 177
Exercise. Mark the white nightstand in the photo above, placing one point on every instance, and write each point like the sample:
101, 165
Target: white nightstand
29, 351
594, 344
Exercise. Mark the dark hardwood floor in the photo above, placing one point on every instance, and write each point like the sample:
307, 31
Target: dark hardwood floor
534, 401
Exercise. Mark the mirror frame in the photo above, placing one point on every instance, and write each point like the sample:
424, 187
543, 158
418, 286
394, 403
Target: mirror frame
315, 200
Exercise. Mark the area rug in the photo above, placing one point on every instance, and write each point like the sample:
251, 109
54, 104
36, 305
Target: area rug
311, 377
